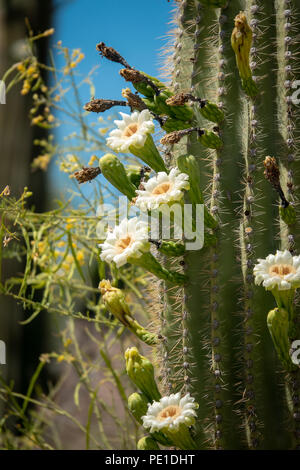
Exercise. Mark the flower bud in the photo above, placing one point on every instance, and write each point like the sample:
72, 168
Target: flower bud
115, 173
241, 41
278, 324
138, 405
147, 443
209, 139
114, 300
141, 372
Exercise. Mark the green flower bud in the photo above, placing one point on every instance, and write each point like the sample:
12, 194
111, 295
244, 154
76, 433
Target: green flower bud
141, 372
171, 125
211, 111
114, 300
147, 443
209, 139
278, 324
288, 214
183, 113
138, 405
241, 41
151, 105
115, 173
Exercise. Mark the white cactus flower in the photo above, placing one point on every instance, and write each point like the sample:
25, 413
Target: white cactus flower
162, 189
281, 271
169, 413
132, 131
129, 239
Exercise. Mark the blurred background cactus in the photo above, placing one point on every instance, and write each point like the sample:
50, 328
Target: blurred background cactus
231, 123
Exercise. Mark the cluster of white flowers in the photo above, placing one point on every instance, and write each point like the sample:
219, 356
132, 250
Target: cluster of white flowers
164, 188
281, 271
170, 412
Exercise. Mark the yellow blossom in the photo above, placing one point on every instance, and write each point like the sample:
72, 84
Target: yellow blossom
21, 67
37, 119
103, 130
70, 223
41, 162
92, 159
49, 32
31, 70
80, 257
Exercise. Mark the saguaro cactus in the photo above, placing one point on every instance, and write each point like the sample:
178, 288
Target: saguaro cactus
231, 122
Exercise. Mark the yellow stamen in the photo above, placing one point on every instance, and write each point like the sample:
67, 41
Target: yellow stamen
281, 270
124, 243
171, 411
161, 188
130, 130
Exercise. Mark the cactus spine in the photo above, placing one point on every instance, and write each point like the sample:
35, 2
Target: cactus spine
213, 333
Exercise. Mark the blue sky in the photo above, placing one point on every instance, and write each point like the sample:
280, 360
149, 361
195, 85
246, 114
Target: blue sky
136, 28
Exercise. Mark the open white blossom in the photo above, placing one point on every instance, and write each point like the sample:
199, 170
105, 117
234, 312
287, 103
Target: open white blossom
170, 412
130, 238
132, 131
161, 189
281, 271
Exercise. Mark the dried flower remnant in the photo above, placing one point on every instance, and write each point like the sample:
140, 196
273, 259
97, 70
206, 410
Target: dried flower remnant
100, 105
272, 174
133, 100
111, 54
86, 174
134, 76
